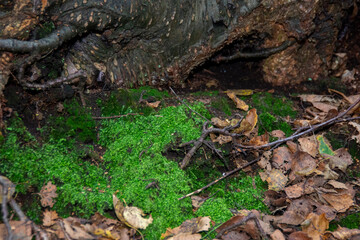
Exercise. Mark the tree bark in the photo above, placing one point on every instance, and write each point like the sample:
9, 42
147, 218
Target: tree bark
138, 42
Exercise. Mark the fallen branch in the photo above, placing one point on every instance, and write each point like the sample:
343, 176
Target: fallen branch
112, 117
8, 189
52, 83
205, 132
308, 129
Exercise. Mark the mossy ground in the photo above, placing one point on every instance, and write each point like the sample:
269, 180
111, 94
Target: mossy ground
134, 155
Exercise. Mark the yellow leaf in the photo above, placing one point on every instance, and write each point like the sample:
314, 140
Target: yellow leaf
240, 104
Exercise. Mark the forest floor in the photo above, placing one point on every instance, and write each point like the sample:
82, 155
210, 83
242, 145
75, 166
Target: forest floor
94, 159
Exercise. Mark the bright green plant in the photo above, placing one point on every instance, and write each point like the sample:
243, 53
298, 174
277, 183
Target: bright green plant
134, 157
269, 123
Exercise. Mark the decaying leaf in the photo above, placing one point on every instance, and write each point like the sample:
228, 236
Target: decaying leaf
240, 104
131, 216
75, 230
222, 139
309, 145
196, 201
188, 229
295, 191
341, 160
341, 202
241, 92
47, 194
217, 122
153, 104
276, 180
343, 233
296, 213
20, 230
315, 225
357, 126
324, 146
49, 218
304, 165
282, 158
278, 133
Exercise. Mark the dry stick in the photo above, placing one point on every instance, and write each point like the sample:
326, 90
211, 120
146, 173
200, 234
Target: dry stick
205, 133
4, 208
187, 105
221, 178
118, 116
57, 81
311, 129
24, 218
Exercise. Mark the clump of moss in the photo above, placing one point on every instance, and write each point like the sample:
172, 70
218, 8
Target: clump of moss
268, 103
351, 221
45, 29
269, 123
76, 123
222, 104
206, 93
133, 159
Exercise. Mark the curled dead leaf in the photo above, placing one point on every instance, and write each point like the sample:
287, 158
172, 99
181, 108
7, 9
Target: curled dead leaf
240, 104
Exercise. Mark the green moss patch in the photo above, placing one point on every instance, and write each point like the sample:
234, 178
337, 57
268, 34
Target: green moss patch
134, 157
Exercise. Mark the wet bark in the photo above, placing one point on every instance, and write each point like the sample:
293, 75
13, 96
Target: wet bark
137, 42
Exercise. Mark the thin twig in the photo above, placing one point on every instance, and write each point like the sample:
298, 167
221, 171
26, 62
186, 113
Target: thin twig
206, 131
226, 175
180, 100
310, 129
112, 117
54, 82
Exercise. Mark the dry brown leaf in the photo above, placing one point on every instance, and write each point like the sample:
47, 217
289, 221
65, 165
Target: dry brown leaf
277, 235
299, 236
341, 160
324, 107
278, 133
296, 212
222, 139
131, 216
49, 218
47, 194
344, 233
357, 126
75, 230
276, 180
217, 122
153, 104
252, 118
309, 145
259, 140
341, 202
282, 158
240, 104
188, 229
134, 216
329, 173
196, 201
303, 165
20, 230
336, 184
315, 226
295, 191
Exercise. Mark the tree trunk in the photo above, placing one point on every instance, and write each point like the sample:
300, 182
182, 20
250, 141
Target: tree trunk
137, 42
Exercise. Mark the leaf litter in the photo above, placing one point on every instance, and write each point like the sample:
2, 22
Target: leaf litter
305, 188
